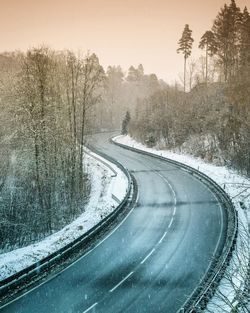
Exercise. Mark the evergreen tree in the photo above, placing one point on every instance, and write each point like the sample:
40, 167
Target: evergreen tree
125, 123
110, 110
245, 41
140, 70
135, 75
239, 88
185, 47
226, 29
208, 42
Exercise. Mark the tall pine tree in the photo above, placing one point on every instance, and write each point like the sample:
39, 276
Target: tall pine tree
208, 43
185, 47
226, 29
245, 41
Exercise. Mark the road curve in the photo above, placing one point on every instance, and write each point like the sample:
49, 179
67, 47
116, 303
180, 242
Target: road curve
153, 260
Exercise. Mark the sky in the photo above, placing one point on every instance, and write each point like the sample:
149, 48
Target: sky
120, 32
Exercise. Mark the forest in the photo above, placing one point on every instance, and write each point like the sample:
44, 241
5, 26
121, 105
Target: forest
44, 99
50, 100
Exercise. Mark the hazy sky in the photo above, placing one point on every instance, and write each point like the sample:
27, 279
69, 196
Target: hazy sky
124, 32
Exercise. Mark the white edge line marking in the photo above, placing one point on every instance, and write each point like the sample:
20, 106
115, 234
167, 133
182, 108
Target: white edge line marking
152, 251
91, 307
59, 273
125, 278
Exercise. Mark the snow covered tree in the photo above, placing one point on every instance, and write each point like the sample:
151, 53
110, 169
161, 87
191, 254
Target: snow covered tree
135, 74
92, 79
125, 123
47, 104
111, 109
232, 294
140, 69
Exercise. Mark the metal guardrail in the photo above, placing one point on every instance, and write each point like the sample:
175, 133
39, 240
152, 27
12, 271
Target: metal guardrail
32, 273
103, 162
198, 300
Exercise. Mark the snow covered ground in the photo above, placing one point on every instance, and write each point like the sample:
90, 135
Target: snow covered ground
108, 188
238, 188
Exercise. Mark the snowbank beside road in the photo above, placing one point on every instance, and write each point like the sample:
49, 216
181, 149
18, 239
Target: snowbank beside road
238, 188
108, 188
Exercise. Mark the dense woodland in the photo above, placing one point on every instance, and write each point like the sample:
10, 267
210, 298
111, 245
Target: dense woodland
45, 97
50, 100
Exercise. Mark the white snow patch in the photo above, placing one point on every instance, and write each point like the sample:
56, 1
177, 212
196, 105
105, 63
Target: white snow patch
238, 188
108, 187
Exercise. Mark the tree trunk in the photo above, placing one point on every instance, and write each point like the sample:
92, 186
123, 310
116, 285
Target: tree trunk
206, 64
185, 63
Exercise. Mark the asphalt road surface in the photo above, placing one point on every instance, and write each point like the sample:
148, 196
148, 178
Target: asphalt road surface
153, 260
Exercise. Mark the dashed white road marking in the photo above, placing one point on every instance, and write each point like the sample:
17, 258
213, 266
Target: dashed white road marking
125, 278
76, 261
100, 242
163, 236
173, 192
90, 308
170, 186
174, 211
170, 222
152, 251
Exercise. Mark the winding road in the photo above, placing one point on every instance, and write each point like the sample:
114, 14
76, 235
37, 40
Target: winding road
153, 260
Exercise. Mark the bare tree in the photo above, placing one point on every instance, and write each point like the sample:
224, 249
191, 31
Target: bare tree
232, 295
92, 77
